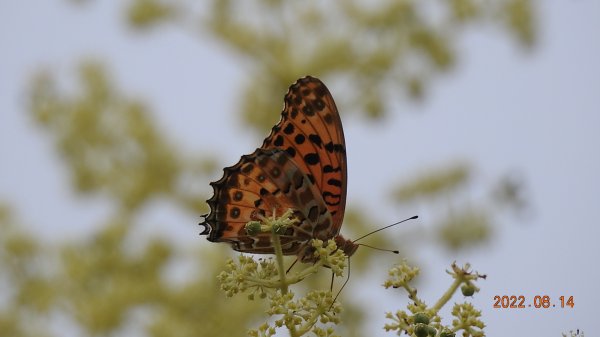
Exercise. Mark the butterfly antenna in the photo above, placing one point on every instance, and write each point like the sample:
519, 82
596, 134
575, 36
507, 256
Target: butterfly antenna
382, 228
381, 249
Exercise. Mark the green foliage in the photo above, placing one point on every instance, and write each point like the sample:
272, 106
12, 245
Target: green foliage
108, 141
26, 279
145, 13
434, 184
383, 49
99, 283
465, 228
93, 269
463, 220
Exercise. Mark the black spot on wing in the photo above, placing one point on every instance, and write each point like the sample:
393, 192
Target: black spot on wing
294, 113
308, 110
331, 199
238, 195
334, 182
234, 212
312, 158
316, 139
291, 151
331, 169
321, 90
289, 129
319, 104
337, 148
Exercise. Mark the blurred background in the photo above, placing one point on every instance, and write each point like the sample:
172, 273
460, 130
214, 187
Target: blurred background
481, 117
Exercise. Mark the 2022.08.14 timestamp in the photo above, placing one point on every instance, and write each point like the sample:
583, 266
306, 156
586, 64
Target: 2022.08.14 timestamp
539, 302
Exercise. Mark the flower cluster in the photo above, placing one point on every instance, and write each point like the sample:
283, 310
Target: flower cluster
248, 275
329, 255
268, 279
421, 320
302, 315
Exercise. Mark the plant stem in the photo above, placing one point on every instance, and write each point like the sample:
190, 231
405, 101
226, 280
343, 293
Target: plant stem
279, 256
282, 276
447, 295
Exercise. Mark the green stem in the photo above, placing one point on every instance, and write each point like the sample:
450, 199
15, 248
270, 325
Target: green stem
284, 285
310, 322
279, 256
412, 294
307, 271
447, 295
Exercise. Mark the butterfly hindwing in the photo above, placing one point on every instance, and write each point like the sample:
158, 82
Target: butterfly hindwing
264, 182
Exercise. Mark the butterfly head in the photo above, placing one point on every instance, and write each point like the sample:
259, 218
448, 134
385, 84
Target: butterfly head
347, 246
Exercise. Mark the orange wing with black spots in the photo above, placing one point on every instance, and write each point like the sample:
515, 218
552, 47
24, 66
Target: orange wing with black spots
264, 182
310, 131
301, 166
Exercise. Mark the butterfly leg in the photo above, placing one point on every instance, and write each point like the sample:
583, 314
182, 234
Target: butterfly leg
331, 285
343, 285
293, 264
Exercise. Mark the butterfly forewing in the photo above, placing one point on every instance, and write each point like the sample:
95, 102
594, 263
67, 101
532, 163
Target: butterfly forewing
310, 131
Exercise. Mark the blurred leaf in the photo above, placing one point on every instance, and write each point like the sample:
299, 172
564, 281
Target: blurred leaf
146, 13
109, 142
434, 183
465, 229
520, 19
382, 49
464, 10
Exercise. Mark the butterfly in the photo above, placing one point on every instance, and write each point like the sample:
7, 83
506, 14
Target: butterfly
300, 166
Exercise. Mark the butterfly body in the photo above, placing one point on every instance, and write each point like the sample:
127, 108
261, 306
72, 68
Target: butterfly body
301, 166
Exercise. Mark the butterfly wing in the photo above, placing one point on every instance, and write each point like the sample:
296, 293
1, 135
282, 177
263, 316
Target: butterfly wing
310, 131
264, 182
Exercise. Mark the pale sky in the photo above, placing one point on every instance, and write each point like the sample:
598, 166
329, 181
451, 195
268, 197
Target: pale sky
536, 114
